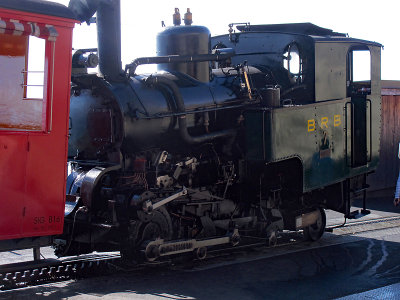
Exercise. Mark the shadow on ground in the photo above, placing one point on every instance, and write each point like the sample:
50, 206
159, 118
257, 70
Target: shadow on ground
320, 273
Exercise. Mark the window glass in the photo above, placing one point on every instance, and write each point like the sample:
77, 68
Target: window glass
292, 62
21, 106
361, 65
35, 68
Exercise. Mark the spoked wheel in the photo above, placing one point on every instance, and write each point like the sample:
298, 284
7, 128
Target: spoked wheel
158, 225
315, 231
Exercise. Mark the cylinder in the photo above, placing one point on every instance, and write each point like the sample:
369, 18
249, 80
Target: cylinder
185, 40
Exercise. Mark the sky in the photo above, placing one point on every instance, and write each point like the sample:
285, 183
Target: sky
364, 19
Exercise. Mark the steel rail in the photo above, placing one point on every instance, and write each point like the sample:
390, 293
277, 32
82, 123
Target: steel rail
25, 274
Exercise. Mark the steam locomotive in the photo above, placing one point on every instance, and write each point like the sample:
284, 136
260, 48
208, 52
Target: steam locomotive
236, 137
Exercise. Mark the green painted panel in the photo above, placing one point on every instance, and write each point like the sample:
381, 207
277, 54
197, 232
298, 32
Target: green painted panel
315, 134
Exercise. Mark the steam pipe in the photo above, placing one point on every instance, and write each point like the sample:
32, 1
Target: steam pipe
109, 39
108, 32
131, 68
158, 80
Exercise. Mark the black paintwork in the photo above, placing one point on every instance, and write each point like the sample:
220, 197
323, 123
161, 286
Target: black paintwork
163, 131
302, 28
185, 40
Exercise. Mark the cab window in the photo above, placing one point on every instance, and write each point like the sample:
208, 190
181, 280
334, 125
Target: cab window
359, 71
293, 63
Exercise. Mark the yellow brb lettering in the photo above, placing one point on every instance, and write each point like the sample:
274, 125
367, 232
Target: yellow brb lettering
324, 122
311, 125
336, 120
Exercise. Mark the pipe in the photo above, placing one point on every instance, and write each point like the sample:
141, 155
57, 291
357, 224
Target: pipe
189, 112
131, 68
109, 39
180, 106
108, 33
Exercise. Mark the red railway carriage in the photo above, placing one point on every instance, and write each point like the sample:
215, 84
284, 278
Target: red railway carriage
35, 63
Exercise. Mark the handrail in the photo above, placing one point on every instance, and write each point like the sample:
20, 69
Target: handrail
370, 130
346, 132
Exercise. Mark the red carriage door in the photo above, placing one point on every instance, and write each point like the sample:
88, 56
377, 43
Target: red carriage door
23, 112
13, 147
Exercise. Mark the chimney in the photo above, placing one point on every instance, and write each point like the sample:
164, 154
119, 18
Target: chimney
108, 32
109, 39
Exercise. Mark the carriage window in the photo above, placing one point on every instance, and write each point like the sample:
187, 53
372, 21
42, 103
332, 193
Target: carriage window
22, 64
34, 71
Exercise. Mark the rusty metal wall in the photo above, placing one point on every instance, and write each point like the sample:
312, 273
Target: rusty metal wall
388, 169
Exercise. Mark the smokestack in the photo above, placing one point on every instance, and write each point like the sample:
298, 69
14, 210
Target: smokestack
109, 39
108, 32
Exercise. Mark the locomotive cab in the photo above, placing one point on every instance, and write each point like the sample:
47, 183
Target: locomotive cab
328, 119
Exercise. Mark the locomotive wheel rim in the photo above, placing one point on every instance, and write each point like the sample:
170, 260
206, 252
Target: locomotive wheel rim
201, 253
152, 253
272, 240
151, 231
141, 233
315, 231
157, 227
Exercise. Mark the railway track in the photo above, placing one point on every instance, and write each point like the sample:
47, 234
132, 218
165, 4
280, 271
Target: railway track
20, 275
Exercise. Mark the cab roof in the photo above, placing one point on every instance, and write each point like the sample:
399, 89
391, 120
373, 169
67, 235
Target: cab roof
319, 34
301, 28
40, 7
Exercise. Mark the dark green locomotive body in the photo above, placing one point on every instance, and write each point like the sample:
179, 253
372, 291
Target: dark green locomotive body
319, 135
328, 119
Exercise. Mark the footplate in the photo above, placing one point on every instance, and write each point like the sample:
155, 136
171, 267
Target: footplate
159, 248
